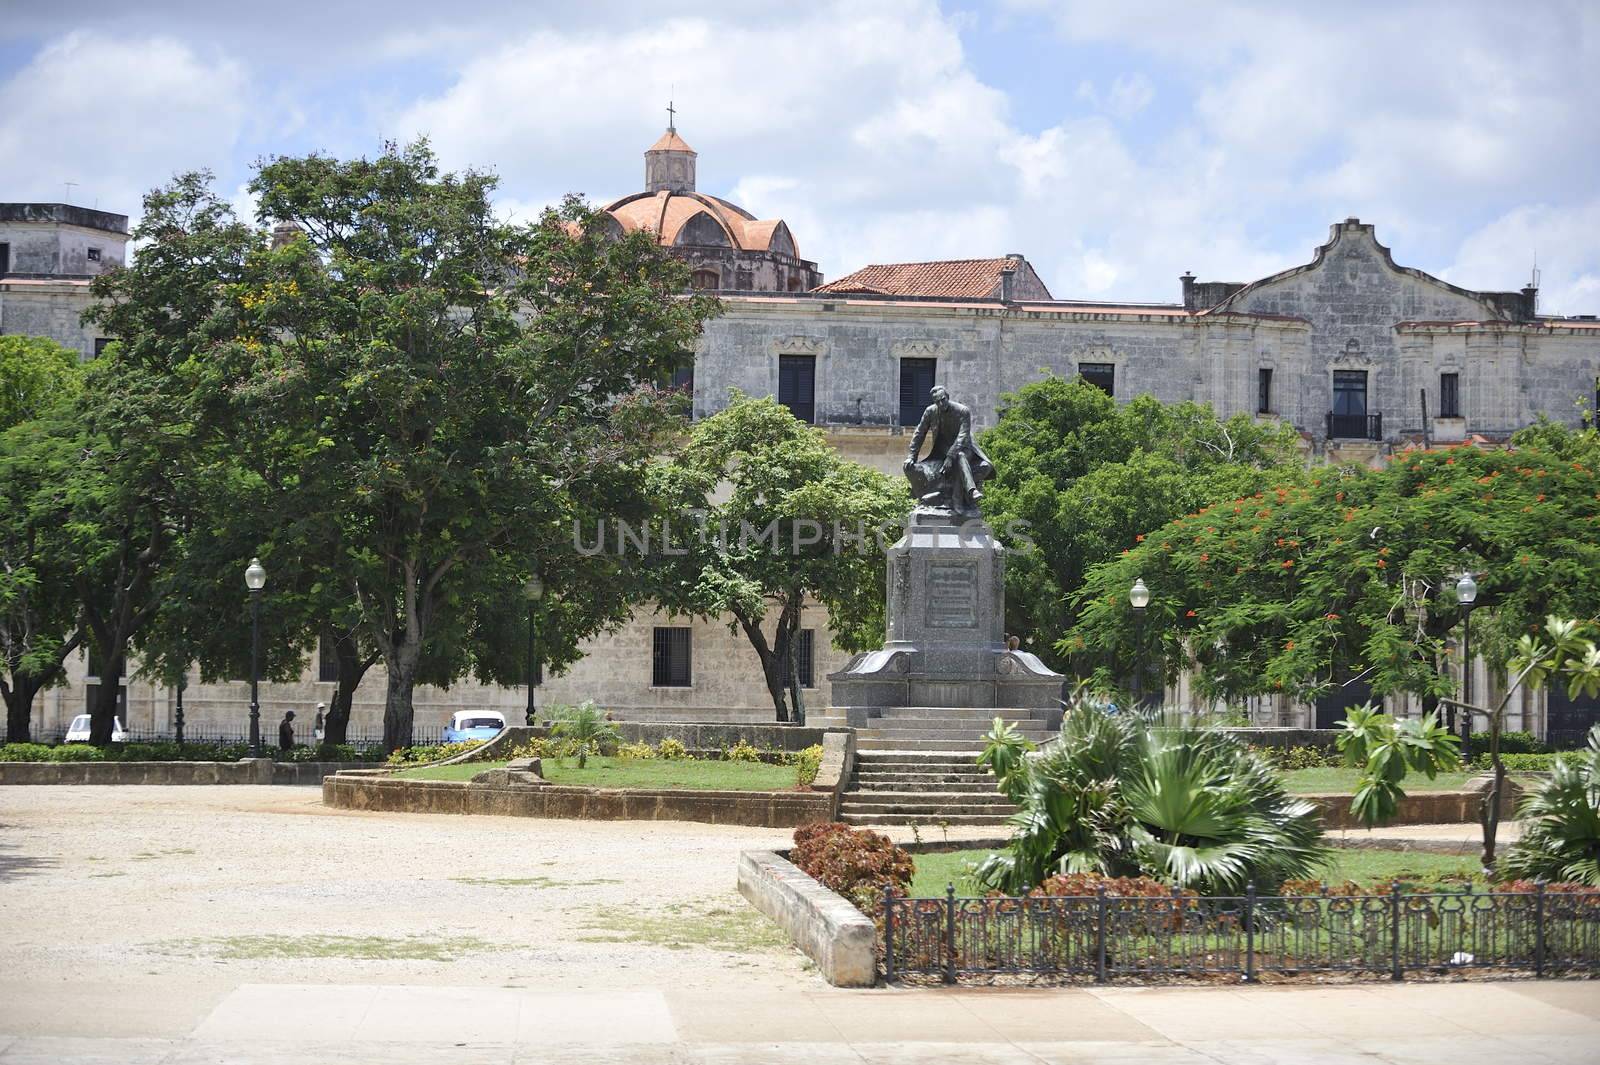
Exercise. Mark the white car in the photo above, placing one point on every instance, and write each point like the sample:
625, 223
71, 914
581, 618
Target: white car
78, 731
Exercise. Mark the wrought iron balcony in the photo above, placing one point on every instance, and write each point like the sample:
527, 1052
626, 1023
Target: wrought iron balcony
1355, 426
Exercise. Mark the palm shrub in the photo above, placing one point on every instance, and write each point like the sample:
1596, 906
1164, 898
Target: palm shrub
1386, 750
1561, 824
1127, 795
585, 727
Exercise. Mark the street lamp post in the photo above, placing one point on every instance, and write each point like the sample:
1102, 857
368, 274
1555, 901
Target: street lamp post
177, 720
1466, 595
1138, 598
533, 591
255, 579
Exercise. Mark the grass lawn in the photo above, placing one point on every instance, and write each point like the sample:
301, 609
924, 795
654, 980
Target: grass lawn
934, 871
1343, 779
1363, 866
703, 775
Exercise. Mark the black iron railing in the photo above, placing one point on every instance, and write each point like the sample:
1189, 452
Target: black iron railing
1102, 937
1355, 426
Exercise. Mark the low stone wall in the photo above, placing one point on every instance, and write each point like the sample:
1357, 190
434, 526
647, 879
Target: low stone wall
838, 767
758, 809
1417, 808
245, 771
833, 933
700, 739
1323, 739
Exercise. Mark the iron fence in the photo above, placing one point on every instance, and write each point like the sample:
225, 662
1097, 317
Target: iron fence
1102, 937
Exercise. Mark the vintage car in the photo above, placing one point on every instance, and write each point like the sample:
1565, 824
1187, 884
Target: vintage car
473, 725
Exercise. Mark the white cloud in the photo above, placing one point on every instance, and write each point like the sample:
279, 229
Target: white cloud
116, 117
1463, 130
1561, 239
1127, 95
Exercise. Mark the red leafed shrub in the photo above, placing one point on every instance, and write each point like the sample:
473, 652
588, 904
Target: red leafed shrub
1163, 910
1314, 887
1080, 884
1586, 897
856, 863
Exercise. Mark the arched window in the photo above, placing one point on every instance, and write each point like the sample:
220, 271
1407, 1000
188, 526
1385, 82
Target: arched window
795, 284
705, 279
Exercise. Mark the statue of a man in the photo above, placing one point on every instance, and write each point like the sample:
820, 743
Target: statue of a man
955, 466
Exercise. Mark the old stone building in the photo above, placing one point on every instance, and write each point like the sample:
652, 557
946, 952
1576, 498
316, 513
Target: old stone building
49, 252
1361, 355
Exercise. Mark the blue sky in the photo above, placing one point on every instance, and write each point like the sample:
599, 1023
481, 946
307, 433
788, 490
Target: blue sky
1117, 145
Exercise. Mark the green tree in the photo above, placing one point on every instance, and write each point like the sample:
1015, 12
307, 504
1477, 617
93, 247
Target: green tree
154, 453
39, 380
1295, 588
39, 609
446, 393
35, 374
1086, 476
771, 516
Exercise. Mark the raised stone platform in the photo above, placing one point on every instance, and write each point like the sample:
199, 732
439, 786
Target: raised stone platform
946, 645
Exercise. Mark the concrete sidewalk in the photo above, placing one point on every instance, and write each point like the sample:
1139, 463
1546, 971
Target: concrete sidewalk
1462, 1024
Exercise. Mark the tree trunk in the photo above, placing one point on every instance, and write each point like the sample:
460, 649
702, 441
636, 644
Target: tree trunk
353, 666
772, 660
19, 708
103, 709
1489, 811
397, 709
777, 684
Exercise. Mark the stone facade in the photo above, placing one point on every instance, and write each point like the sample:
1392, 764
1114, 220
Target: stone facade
48, 254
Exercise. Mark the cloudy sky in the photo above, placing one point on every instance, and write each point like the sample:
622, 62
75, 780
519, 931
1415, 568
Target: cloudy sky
1115, 144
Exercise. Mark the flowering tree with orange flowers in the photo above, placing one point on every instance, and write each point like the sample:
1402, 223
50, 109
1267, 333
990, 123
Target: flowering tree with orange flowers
1353, 572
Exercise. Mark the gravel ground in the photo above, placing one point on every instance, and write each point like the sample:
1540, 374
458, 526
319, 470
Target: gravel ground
176, 895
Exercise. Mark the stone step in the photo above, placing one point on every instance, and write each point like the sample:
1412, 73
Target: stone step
917, 736
923, 782
905, 745
933, 812
860, 800
977, 727
885, 759
953, 820
967, 713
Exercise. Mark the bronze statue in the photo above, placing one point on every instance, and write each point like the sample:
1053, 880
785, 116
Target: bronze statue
950, 475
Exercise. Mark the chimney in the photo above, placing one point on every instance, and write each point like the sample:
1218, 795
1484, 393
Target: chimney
1008, 284
1530, 302
1188, 290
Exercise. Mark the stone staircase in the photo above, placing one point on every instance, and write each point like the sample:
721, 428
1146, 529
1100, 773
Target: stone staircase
917, 766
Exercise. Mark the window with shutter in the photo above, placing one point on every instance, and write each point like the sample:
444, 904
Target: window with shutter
797, 378
916, 379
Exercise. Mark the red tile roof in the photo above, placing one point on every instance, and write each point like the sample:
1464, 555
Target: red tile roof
957, 278
671, 142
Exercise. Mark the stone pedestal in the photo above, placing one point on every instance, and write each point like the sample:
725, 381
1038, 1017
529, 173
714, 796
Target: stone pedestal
946, 629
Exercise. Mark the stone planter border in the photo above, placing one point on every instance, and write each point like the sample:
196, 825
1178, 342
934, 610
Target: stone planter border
757, 809
839, 938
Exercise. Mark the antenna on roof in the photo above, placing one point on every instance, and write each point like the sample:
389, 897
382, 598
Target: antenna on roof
1534, 281
70, 186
